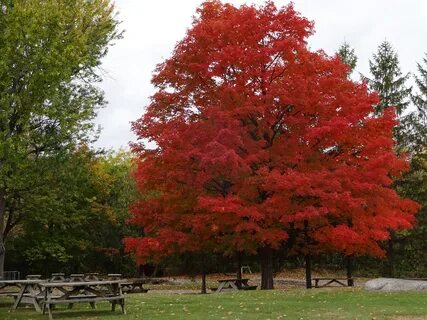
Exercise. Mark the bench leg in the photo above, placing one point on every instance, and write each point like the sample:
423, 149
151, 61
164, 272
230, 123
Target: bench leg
220, 287
113, 305
49, 310
92, 305
36, 305
122, 304
19, 297
70, 306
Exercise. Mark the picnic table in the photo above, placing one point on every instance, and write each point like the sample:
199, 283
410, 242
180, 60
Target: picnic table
82, 292
234, 285
77, 277
114, 276
57, 277
94, 276
29, 292
135, 285
328, 281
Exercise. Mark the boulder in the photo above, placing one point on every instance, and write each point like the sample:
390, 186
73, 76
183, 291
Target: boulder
391, 284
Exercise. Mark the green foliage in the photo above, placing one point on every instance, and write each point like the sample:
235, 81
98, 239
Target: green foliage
76, 218
387, 80
412, 249
348, 56
49, 54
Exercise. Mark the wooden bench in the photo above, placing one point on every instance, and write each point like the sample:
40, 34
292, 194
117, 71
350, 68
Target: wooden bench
29, 292
82, 292
60, 277
345, 282
134, 286
234, 284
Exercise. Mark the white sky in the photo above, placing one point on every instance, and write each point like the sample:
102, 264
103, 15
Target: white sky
152, 28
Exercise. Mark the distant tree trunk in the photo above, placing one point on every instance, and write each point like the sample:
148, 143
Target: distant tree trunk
389, 268
203, 275
266, 257
349, 268
239, 269
308, 271
155, 271
203, 281
2, 244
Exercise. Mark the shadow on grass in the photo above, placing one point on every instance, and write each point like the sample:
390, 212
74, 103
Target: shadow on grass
5, 305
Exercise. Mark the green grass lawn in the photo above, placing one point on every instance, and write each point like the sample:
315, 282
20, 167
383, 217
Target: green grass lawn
260, 305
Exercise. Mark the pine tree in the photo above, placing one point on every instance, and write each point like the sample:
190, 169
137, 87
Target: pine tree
413, 136
414, 125
348, 56
388, 80
390, 84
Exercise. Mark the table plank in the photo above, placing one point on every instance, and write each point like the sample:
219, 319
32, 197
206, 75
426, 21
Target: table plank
79, 283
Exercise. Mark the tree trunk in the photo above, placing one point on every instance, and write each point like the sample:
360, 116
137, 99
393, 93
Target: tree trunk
2, 244
308, 271
203, 281
239, 269
389, 268
266, 257
349, 267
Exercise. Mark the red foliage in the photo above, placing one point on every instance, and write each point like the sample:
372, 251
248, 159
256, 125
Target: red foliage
251, 136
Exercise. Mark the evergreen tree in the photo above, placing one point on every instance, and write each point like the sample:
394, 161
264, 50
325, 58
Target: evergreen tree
414, 125
387, 80
348, 56
412, 135
390, 84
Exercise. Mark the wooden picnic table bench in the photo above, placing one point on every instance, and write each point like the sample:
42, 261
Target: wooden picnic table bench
234, 284
28, 292
77, 277
82, 292
134, 285
340, 281
93, 276
57, 277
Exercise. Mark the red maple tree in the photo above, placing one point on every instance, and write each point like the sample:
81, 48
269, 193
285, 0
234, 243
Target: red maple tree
251, 137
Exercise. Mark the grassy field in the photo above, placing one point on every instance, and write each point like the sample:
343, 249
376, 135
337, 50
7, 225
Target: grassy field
260, 305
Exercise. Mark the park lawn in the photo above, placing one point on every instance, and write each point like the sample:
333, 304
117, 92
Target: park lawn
331, 303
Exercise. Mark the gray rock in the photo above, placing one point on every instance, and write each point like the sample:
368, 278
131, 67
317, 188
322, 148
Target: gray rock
391, 284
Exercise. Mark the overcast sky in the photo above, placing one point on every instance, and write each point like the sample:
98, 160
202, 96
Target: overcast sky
152, 29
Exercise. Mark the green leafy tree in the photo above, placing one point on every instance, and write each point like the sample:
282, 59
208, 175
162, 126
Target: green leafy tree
49, 54
387, 80
411, 250
348, 56
78, 217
